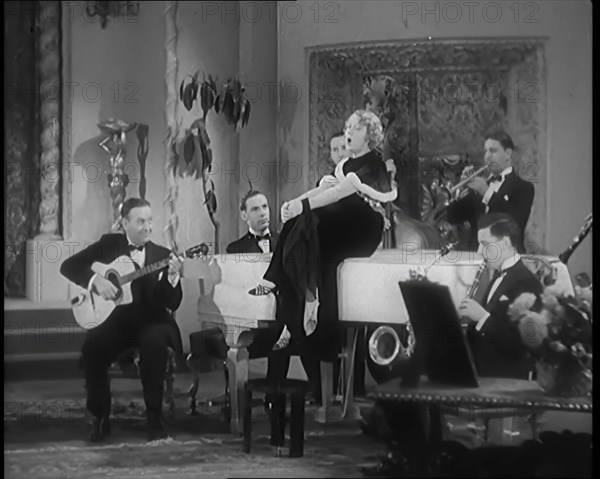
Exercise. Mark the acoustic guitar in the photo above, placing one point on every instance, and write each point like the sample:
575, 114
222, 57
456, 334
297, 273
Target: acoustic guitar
91, 310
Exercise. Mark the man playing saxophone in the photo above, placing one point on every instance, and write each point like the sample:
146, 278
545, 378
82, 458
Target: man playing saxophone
497, 346
503, 191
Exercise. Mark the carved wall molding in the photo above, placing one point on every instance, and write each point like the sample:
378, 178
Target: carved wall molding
170, 160
338, 74
21, 152
67, 128
48, 66
350, 48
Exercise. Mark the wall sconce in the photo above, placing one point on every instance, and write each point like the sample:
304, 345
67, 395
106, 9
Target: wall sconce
115, 10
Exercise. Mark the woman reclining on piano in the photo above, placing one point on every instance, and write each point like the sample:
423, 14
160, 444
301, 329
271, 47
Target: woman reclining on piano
342, 218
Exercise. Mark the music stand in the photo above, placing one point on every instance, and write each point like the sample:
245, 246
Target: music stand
441, 348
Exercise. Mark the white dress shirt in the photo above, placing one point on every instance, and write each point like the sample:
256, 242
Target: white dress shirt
264, 244
508, 263
494, 187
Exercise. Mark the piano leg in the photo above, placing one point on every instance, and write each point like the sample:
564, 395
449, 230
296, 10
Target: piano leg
237, 365
350, 410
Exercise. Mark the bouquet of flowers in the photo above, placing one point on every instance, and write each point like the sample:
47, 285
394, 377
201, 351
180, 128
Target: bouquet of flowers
558, 331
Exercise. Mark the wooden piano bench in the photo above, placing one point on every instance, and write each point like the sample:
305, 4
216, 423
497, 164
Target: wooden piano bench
279, 390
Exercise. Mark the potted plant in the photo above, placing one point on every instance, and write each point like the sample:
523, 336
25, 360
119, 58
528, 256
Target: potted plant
228, 99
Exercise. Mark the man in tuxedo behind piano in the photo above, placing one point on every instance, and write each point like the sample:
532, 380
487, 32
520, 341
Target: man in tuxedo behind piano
254, 210
147, 323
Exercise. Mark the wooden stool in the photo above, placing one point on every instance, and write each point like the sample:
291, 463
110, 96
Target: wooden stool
279, 390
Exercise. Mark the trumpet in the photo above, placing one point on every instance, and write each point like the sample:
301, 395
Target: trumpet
468, 179
450, 192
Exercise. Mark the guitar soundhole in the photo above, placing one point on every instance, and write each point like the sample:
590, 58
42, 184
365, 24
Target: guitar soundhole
114, 279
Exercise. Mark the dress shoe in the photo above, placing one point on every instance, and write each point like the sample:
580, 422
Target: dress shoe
389, 466
311, 400
156, 427
267, 403
100, 428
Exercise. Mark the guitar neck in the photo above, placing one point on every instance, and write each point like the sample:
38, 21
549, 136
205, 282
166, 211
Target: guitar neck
144, 271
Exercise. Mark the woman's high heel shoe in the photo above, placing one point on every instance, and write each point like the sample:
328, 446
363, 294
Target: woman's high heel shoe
260, 290
263, 288
284, 340
310, 316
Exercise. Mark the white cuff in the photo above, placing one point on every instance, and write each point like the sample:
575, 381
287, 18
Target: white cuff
481, 322
90, 284
174, 279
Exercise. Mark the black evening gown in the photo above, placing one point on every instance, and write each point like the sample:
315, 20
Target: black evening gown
348, 228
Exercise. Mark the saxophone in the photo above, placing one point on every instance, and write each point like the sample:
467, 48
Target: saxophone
476, 280
473, 288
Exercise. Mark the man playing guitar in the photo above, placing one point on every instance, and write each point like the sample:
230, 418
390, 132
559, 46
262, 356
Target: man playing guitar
146, 322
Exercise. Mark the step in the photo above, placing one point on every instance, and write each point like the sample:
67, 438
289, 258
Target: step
38, 315
32, 366
66, 365
41, 340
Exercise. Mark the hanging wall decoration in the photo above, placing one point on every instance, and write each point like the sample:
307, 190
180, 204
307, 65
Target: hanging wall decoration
114, 145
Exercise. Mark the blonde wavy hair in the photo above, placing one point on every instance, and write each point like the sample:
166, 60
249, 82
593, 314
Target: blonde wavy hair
373, 125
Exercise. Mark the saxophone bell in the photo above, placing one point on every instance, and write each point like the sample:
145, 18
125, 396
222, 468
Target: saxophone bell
386, 349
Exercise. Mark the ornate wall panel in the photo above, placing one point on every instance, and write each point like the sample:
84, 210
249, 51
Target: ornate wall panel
439, 100
21, 170
334, 92
455, 113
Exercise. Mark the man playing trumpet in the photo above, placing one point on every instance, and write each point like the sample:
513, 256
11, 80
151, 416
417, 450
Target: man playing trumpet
503, 191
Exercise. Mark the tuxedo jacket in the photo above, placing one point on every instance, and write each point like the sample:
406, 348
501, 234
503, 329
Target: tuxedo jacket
153, 299
515, 197
497, 348
249, 244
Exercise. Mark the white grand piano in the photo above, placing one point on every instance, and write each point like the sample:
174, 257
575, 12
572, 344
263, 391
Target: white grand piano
368, 293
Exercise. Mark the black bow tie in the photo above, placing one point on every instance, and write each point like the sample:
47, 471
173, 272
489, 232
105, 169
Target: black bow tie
133, 247
260, 238
495, 178
497, 273
501, 272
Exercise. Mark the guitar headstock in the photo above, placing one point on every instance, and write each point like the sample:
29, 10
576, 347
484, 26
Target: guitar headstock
197, 251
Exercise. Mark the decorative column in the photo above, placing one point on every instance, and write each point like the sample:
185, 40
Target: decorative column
172, 221
46, 251
50, 80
